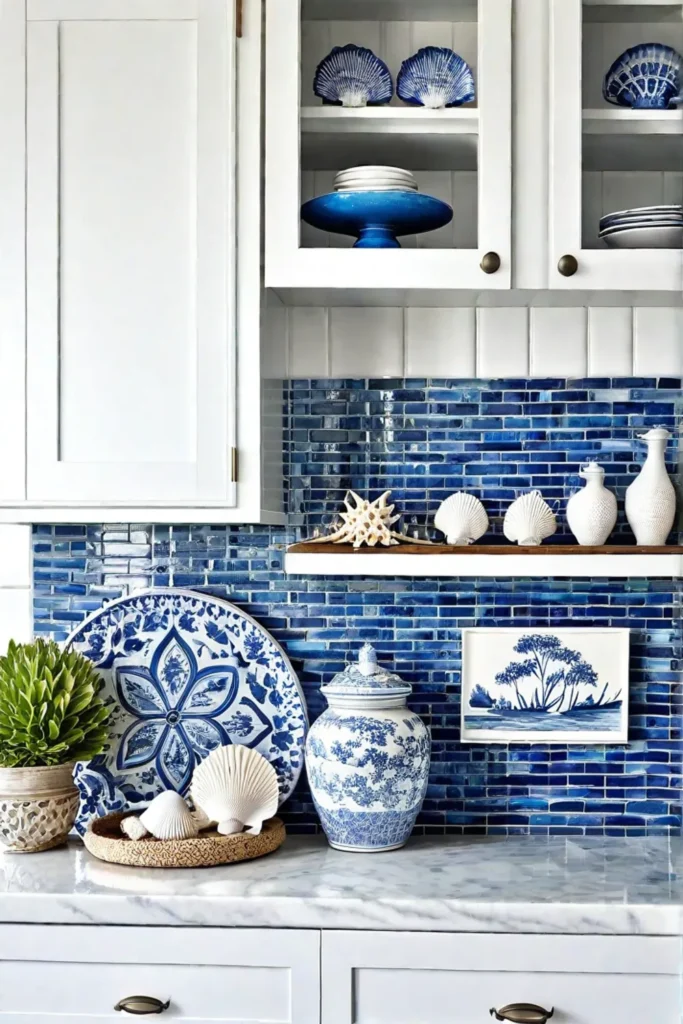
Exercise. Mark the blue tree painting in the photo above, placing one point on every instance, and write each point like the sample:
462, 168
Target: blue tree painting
550, 688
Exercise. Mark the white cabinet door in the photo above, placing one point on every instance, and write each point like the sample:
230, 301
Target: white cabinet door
393, 978
130, 278
605, 158
461, 155
58, 975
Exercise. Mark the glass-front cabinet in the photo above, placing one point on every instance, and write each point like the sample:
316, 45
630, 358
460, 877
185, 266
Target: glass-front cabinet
460, 154
607, 158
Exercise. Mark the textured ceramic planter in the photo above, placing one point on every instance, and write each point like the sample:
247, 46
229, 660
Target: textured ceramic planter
37, 807
367, 759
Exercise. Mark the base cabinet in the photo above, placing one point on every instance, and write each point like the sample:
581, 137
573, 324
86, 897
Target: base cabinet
390, 978
56, 975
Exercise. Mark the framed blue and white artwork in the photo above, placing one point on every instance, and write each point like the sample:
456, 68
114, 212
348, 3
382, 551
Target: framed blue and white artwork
545, 685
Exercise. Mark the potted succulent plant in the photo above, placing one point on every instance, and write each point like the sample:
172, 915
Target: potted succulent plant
50, 717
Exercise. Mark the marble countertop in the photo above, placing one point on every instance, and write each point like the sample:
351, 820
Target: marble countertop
572, 886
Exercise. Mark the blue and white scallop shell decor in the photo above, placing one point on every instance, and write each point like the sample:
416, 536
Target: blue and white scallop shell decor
435, 77
352, 76
184, 673
645, 77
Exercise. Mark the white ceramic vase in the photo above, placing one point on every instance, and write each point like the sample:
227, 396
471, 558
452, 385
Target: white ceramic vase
592, 511
651, 498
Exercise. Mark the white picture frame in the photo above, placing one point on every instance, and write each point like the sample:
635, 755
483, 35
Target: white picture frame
545, 685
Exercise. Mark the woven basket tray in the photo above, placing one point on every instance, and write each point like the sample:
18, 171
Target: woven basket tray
105, 840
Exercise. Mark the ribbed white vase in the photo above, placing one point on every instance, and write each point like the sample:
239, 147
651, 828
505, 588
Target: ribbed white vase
651, 498
592, 512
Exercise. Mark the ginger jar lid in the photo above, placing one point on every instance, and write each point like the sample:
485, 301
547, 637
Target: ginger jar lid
366, 680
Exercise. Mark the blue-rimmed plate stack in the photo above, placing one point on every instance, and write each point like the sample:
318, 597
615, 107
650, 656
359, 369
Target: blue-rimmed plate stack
646, 227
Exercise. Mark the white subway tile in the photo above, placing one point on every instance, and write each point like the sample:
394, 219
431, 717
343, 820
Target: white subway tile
610, 341
366, 342
308, 345
15, 556
559, 342
658, 341
440, 342
274, 343
16, 616
502, 342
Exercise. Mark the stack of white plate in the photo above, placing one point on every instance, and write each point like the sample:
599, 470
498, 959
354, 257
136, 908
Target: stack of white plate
375, 179
647, 227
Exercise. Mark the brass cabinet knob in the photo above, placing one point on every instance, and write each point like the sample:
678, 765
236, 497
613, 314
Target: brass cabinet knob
568, 266
140, 1006
523, 1013
490, 263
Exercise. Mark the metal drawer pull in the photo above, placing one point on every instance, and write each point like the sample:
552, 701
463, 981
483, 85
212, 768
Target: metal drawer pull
523, 1013
140, 1006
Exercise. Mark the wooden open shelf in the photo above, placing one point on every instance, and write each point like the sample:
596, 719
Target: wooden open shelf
473, 550
486, 560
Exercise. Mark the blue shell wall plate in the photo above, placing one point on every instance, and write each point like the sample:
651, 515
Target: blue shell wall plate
435, 77
352, 76
184, 673
645, 77
377, 218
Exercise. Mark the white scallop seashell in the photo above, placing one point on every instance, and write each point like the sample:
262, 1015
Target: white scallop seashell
529, 520
133, 828
231, 827
462, 518
236, 784
169, 817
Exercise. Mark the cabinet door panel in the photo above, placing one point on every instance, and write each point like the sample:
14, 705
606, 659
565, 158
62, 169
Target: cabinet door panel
454, 979
128, 254
244, 976
605, 158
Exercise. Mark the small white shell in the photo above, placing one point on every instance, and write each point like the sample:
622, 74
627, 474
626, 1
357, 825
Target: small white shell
529, 520
235, 784
133, 828
462, 518
169, 817
231, 827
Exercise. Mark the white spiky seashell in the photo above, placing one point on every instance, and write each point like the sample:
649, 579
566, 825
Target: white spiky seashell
235, 785
169, 817
529, 520
368, 523
462, 518
133, 828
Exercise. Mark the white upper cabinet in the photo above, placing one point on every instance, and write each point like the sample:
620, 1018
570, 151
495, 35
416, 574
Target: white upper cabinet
118, 181
605, 158
129, 250
461, 155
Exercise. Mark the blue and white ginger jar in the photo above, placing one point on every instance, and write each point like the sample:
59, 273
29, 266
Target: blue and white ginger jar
367, 759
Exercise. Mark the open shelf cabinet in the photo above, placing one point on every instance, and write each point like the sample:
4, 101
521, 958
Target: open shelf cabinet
605, 158
462, 155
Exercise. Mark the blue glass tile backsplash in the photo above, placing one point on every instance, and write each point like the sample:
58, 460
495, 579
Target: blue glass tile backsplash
423, 440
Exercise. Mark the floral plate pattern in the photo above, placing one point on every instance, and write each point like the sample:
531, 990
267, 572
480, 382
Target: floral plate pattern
184, 673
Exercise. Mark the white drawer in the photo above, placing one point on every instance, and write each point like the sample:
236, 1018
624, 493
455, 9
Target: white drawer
50, 975
389, 978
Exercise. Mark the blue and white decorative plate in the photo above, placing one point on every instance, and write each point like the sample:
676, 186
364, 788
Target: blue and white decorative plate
184, 673
645, 77
435, 77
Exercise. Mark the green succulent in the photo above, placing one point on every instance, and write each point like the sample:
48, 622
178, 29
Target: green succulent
50, 712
